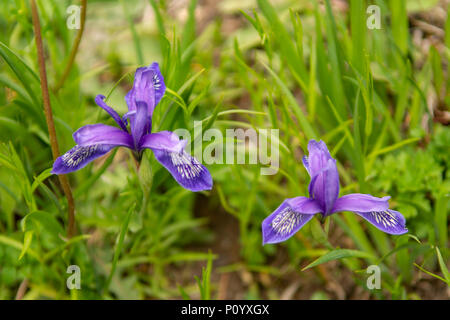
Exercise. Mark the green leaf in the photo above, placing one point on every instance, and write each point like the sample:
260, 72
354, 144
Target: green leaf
40, 178
441, 219
119, 246
47, 220
286, 43
303, 121
204, 284
431, 273
339, 254
27, 238
19, 246
136, 39
393, 147
71, 241
23, 72
443, 267
183, 293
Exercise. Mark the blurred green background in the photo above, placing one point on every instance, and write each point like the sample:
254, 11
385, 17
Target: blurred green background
312, 69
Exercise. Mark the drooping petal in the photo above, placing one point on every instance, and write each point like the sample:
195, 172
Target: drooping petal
78, 157
99, 101
93, 134
288, 218
389, 221
324, 185
185, 169
163, 140
361, 202
148, 87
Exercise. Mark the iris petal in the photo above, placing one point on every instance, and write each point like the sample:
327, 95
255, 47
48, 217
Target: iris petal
318, 156
140, 122
78, 157
158, 82
99, 101
163, 140
169, 151
94, 134
324, 185
322, 168
306, 163
389, 221
361, 202
288, 218
185, 169
148, 87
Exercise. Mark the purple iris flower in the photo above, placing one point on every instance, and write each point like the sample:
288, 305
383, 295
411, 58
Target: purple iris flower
294, 213
95, 140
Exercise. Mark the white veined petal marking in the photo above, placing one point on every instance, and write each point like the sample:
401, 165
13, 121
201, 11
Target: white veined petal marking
156, 81
386, 218
188, 167
77, 154
286, 221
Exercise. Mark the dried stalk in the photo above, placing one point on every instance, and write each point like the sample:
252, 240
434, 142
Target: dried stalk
49, 118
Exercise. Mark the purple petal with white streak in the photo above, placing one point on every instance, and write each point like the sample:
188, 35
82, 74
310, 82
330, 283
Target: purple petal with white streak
389, 221
361, 202
185, 169
148, 87
288, 218
158, 82
78, 157
306, 164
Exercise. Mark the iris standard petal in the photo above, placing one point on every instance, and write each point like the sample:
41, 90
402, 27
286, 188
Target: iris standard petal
324, 185
185, 169
361, 202
389, 221
99, 101
142, 90
140, 122
288, 218
93, 134
78, 157
318, 157
158, 82
148, 87
163, 140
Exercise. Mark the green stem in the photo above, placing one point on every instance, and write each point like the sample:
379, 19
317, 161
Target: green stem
75, 46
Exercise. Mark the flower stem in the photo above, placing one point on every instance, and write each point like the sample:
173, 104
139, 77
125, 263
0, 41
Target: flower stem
49, 118
74, 50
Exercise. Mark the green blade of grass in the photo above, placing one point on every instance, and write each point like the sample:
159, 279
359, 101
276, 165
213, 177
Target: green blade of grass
338, 254
136, 40
303, 121
285, 41
119, 245
443, 267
